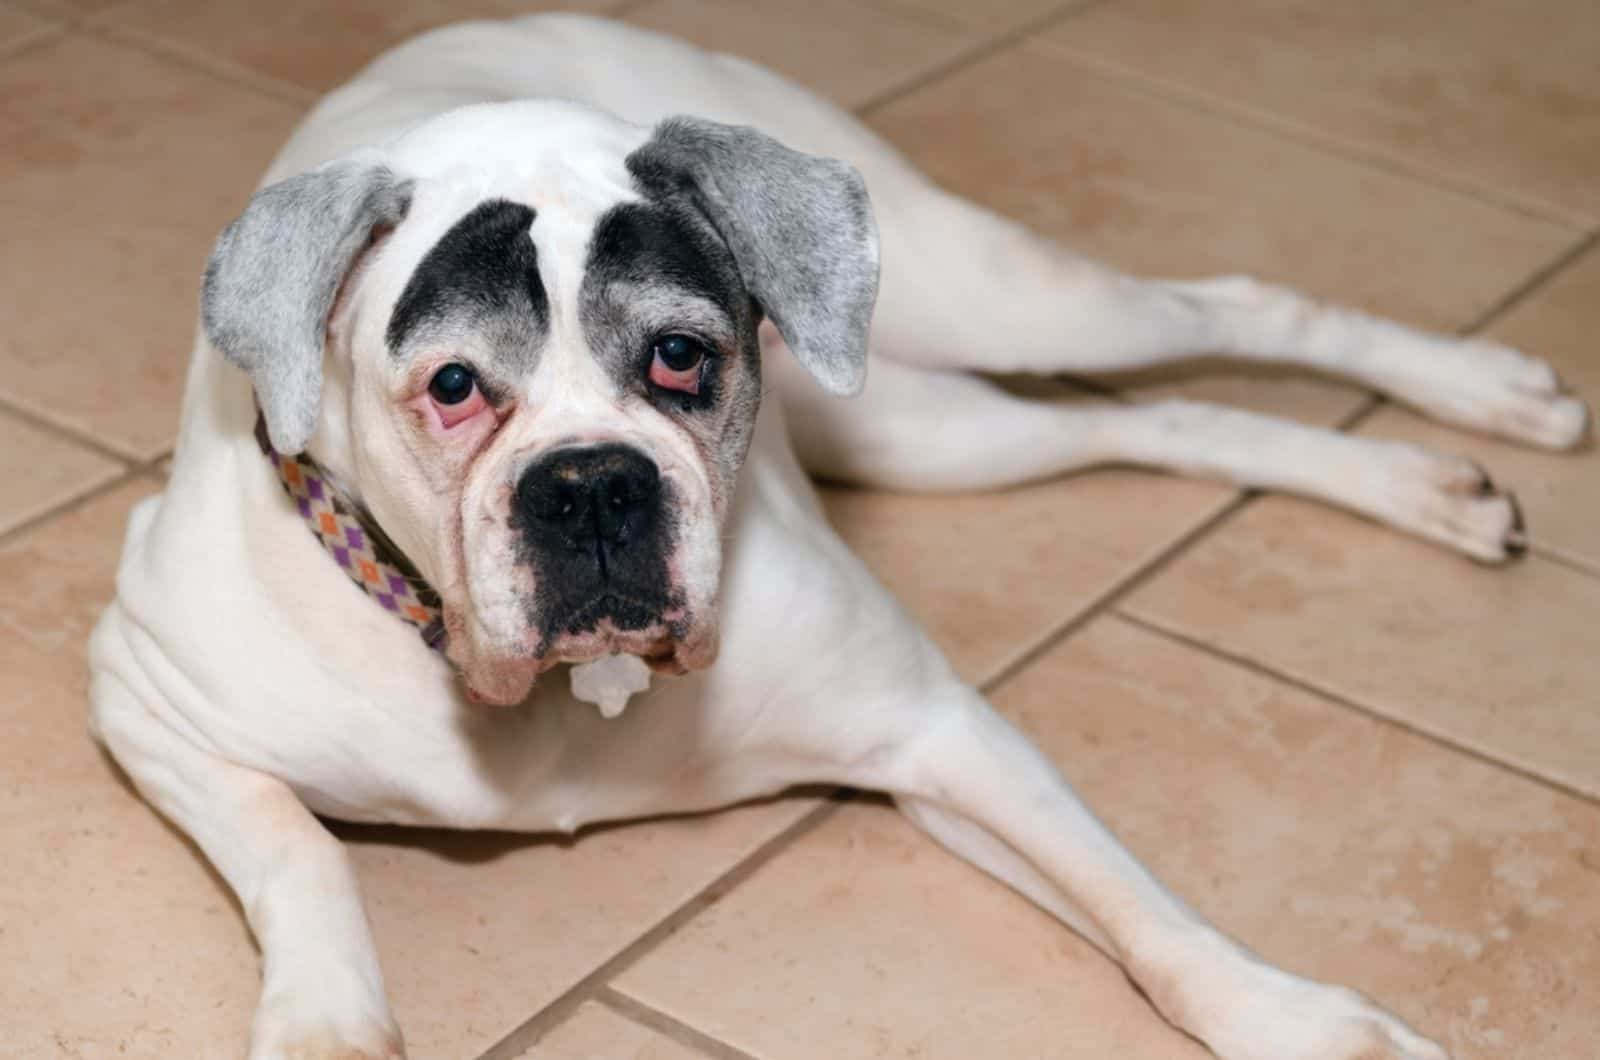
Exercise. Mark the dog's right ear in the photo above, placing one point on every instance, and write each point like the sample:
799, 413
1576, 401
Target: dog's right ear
273, 277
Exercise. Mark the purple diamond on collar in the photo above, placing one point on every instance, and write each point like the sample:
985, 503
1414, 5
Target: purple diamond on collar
409, 599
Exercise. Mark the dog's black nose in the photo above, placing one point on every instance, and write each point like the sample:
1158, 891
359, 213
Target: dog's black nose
591, 498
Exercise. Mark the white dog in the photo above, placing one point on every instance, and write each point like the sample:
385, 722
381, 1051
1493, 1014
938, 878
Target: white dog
508, 353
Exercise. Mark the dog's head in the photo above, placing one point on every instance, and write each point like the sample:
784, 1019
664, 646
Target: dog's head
525, 338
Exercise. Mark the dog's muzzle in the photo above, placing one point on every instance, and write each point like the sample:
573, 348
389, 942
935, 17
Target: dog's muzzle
595, 524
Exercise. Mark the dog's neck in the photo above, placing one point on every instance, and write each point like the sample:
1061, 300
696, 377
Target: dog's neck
356, 543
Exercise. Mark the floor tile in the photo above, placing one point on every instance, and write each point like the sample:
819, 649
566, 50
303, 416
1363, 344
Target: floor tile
1560, 493
17, 25
1333, 844
1504, 96
1164, 190
597, 1033
40, 470
528, 917
1500, 660
104, 902
865, 940
116, 172
308, 43
847, 51
990, 574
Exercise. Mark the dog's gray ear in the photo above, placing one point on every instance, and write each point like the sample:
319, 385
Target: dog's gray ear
273, 277
800, 228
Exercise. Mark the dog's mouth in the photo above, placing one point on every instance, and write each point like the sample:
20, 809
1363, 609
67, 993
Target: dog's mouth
669, 641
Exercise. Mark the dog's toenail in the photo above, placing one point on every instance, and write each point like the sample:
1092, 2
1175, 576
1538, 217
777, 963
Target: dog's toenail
1485, 483
1517, 537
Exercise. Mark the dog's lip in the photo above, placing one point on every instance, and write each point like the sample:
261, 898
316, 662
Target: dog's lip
655, 641
672, 645
511, 681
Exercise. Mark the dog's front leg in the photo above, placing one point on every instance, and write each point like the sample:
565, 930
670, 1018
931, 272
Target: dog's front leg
981, 788
322, 992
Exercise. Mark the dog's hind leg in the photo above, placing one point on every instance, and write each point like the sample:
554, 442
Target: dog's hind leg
965, 289
915, 429
322, 995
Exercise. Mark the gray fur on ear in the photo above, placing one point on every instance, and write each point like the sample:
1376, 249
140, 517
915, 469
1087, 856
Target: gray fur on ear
273, 276
800, 228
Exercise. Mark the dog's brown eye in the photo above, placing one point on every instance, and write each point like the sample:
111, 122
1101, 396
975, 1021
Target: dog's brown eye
451, 385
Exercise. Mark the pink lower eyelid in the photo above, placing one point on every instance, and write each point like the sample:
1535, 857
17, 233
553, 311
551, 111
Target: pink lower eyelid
687, 381
451, 415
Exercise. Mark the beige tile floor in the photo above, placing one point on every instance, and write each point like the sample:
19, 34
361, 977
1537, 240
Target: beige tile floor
1373, 761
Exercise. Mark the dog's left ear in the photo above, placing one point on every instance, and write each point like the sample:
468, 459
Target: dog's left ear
275, 272
800, 228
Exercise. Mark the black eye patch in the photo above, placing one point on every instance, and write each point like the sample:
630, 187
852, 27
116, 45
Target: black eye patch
484, 266
645, 244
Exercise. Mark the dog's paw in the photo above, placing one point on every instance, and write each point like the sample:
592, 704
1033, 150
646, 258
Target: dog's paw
323, 1048
1300, 1020
278, 1035
1449, 500
1494, 388
328, 1047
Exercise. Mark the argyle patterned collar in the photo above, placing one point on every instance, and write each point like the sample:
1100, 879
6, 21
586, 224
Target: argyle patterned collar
357, 544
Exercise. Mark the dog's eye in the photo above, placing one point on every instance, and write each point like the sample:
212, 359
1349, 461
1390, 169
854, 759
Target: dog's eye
455, 395
675, 363
451, 385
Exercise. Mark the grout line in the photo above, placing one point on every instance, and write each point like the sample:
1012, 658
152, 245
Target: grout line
104, 26
31, 39
76, 435
66, 14
196, 61
1329, 695
668, 1027
523, 1037
1562, 558
1370, 404
980, 51
1528, 287
1114, 595
34, 515
1245, 116
77, 501
109, 13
